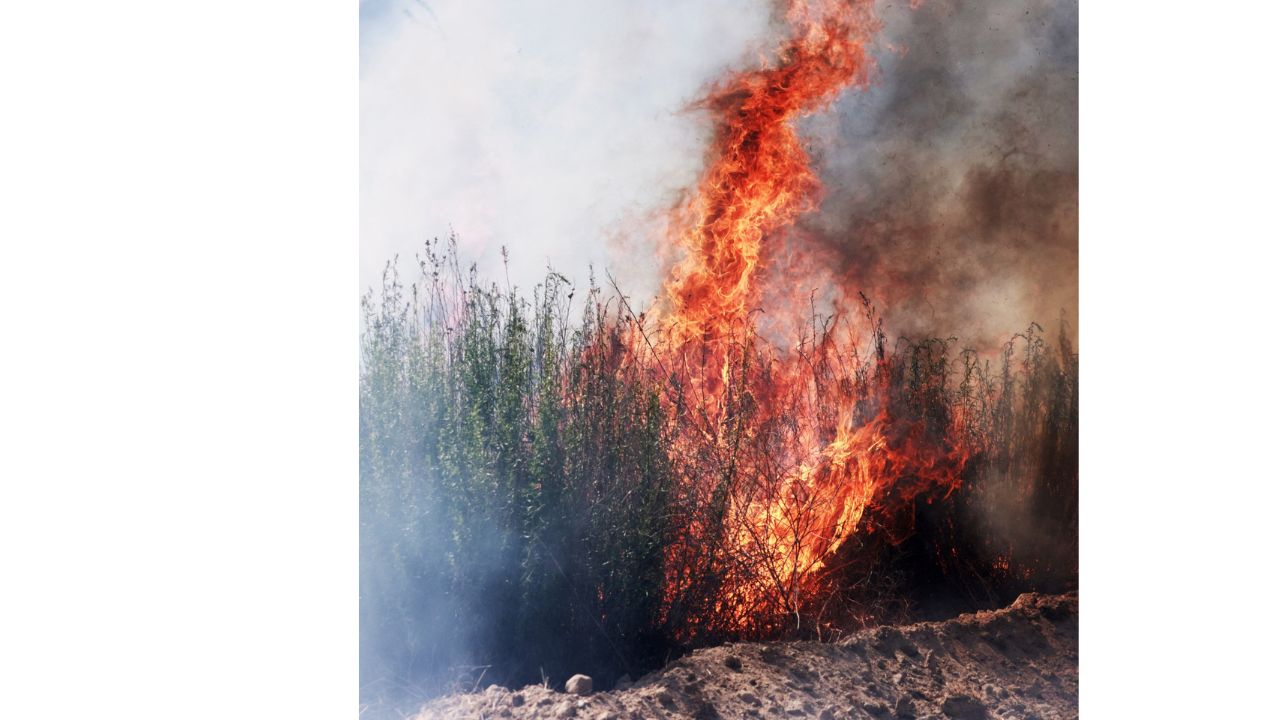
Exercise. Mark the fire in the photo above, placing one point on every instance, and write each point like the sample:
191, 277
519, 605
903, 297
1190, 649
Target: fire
810, 451
760, 179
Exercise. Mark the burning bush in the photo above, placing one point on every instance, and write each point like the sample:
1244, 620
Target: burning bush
540, 496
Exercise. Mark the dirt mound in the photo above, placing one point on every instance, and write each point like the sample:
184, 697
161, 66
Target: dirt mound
1019, 662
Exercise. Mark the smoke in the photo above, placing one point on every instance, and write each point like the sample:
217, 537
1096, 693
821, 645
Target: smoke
557, 130
951, 184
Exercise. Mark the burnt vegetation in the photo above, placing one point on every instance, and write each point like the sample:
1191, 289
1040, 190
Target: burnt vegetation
523, 515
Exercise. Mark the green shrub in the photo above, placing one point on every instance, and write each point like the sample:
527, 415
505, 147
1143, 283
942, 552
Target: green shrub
513, 487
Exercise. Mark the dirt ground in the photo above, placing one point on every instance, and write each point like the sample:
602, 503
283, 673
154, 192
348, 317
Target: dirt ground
1019, 662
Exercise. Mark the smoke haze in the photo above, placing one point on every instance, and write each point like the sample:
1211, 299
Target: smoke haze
564, 133
951, 185
558, 130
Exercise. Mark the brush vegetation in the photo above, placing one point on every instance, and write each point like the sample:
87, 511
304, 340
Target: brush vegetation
519, 502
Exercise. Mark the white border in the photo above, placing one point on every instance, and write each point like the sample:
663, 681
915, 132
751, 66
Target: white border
178, 189
179, 293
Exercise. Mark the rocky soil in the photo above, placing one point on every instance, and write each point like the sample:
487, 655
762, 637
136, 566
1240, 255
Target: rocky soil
1019, 662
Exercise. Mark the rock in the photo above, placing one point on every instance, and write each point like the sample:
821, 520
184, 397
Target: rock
733, 663
828, 713
517, 700
578, 685
624, 682
963, 707
905, 709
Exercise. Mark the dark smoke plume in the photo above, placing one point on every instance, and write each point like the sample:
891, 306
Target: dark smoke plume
951, 185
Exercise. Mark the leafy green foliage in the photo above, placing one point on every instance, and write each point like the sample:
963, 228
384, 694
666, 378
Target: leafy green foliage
513, 487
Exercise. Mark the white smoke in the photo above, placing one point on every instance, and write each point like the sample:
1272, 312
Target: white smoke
557, 130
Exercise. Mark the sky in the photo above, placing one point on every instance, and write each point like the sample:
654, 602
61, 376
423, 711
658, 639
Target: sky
562, 131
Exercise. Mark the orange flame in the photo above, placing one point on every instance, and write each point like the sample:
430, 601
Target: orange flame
787, 509
760, 179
